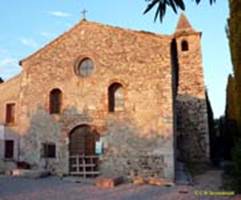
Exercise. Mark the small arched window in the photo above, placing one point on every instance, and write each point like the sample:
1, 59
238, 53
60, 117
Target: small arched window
116, 99
184, 45
55, 101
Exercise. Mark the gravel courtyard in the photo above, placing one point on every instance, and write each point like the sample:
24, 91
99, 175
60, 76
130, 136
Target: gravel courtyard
13, 188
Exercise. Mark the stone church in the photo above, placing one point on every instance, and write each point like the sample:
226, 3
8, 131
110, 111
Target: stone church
102, 100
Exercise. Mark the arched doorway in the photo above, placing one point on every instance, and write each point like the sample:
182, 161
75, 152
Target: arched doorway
83, 160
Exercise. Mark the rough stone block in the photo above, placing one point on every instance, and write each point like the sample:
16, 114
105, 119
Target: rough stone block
6, 167
30, 173
8, 172
159, 182
138, 180
104, 182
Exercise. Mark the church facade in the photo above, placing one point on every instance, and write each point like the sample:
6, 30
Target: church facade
106, 100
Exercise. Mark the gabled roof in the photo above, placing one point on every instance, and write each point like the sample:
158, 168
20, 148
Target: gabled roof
96, 25
12, 85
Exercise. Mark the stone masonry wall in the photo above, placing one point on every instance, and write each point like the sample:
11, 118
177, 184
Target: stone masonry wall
138, 140
9, 93
192, 119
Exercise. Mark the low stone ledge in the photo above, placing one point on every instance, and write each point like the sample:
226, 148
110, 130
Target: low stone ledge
138, 180
6, 166
76, 179
109, 182
34, 174
160, 182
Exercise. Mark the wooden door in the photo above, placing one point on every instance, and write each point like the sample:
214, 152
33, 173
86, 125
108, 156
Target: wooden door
82, 141
82, 160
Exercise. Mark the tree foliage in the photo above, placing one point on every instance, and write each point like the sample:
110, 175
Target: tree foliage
234, 28
162, 5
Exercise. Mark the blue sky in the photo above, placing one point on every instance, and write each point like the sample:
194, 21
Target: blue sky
27, 25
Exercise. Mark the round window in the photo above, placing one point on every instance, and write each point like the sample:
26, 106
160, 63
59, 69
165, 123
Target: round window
85, 67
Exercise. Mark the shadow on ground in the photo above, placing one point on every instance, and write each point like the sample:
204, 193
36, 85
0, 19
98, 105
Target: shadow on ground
12, 188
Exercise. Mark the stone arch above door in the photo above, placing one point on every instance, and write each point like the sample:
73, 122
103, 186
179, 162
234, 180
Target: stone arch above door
82, 140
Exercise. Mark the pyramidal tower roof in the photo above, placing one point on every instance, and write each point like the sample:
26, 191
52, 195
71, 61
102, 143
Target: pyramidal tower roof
183, 24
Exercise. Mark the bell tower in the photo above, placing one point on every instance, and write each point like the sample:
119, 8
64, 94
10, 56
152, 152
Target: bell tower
191, 106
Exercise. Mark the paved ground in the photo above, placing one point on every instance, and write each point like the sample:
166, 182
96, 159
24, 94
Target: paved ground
54, 188
182, 174
212, 179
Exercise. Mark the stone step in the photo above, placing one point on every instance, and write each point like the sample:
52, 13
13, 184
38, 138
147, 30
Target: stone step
28, 173
83, 165
85, 173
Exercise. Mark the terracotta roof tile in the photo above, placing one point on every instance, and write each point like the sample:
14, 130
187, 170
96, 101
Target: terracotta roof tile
183, 24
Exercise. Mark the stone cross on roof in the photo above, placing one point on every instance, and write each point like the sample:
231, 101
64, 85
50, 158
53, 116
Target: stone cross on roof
83, 12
